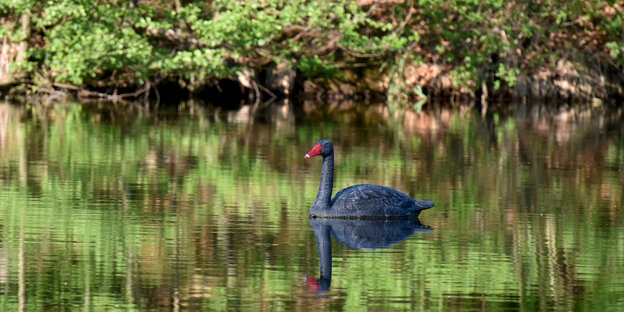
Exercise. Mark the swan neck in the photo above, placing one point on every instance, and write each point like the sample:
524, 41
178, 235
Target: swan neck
327, 183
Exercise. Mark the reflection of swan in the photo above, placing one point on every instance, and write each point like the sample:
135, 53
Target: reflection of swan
357, 233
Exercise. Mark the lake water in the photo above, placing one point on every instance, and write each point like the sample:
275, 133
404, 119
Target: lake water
127, 209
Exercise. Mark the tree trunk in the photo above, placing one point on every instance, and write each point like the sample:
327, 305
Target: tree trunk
23, 46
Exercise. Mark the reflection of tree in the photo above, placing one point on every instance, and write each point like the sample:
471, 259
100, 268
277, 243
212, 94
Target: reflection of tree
200, 212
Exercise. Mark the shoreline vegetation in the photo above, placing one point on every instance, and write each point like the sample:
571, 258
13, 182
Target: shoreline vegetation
401, 52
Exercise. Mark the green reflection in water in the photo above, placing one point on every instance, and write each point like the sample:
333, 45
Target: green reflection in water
105, 210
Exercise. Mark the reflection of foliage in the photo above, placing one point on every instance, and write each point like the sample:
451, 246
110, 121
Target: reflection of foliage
120, 215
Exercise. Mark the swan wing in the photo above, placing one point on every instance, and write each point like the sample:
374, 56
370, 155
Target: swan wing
375, 200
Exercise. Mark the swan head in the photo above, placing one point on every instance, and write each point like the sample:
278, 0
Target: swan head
322, 147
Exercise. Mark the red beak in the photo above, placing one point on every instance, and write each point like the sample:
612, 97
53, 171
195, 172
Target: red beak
314, 151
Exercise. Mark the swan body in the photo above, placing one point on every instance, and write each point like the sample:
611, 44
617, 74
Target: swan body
359, 201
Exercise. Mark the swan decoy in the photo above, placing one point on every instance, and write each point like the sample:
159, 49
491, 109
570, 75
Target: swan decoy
358, 201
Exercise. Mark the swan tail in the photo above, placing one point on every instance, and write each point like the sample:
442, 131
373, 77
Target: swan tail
423, 204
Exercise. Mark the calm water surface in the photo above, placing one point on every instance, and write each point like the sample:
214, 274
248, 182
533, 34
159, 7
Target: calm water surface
102, 210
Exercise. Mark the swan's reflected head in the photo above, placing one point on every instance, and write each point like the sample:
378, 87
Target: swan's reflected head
322, 147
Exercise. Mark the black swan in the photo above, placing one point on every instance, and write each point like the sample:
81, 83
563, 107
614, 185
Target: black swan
358, 201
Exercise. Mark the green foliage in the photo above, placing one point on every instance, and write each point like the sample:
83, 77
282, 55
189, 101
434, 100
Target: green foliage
509, 75
496, 41
616, 50
315, 67
399, 95
95, 42
105, 43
